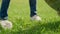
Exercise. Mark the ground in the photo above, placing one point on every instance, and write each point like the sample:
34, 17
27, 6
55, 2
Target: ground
19, 15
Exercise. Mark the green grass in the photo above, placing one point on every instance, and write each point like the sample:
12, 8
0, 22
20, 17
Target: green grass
19, 15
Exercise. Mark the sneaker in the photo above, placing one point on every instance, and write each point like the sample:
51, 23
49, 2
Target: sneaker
35, 17
6, 24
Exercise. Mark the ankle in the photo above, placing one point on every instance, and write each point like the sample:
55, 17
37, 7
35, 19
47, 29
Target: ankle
5, 18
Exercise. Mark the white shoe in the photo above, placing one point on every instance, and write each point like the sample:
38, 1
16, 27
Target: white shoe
6, 24
35, 17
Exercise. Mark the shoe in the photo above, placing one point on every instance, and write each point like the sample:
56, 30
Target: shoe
6, 24
35, 17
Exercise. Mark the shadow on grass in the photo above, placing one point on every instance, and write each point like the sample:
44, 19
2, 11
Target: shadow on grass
41, 28
55, 4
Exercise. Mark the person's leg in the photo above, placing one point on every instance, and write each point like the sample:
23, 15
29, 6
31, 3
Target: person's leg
5, 23
33, 13
4, 8
32, 7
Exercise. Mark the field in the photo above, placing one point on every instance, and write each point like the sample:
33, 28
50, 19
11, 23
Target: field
19, 15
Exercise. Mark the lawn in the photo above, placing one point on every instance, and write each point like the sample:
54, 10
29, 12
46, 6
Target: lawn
19, 15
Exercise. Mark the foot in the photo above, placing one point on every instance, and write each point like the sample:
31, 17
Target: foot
35, 17
6, 24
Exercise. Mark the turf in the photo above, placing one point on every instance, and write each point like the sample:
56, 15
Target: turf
19, 15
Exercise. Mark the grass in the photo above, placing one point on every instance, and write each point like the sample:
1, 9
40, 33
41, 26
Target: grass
19, 15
